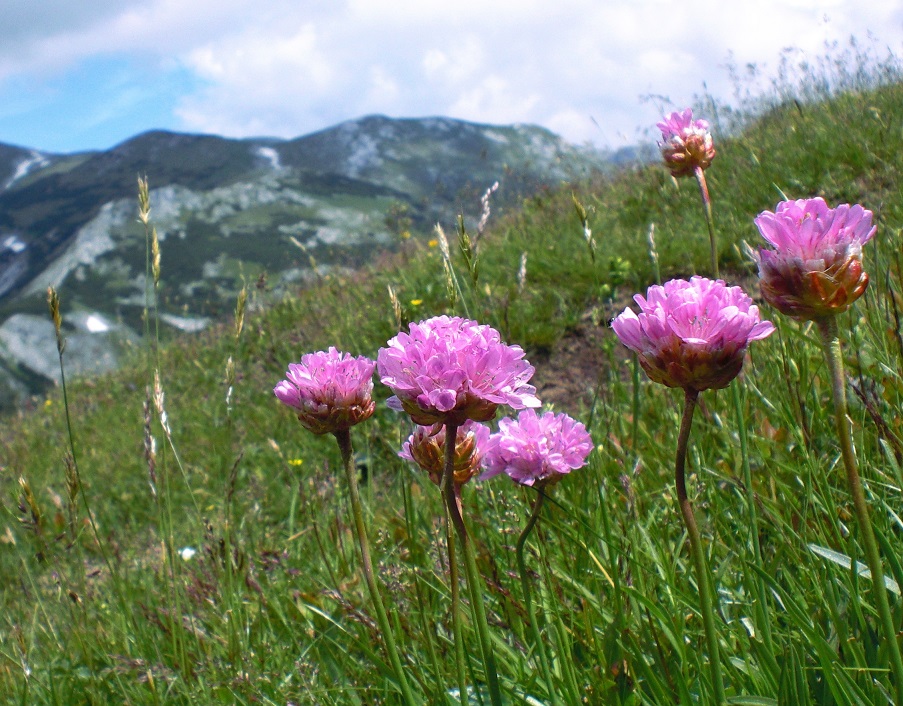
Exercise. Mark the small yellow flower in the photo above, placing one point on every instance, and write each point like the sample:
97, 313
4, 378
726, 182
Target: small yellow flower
405, 235
48, 404
295, 461
416, 302
433, 243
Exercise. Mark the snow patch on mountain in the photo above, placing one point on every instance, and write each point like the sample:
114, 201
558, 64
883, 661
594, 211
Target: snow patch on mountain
34, 160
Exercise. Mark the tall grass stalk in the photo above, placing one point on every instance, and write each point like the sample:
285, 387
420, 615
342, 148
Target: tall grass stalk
827, 328
357, 512
763, 618
53, 301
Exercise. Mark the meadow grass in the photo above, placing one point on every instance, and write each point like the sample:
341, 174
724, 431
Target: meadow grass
226, 572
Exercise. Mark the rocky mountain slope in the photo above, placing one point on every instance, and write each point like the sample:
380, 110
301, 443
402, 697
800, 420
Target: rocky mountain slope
228, 211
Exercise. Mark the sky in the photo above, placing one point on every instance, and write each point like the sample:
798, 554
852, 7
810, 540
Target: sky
90, 74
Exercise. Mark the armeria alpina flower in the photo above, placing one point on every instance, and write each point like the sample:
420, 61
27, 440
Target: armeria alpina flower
330, 391
536, 450
449, 369
692, 335
426, 448
815, 269
686, 143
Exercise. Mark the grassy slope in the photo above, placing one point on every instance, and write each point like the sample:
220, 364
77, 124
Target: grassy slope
276, 620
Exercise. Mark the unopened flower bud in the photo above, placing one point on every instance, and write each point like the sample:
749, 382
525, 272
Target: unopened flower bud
686, 143
426, 447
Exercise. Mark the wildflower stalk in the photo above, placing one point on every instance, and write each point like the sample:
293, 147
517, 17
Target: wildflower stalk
457, 622
702, 573
635, 403
528, 602
827, 327
343, 437
452, 500
765, 623
709, 220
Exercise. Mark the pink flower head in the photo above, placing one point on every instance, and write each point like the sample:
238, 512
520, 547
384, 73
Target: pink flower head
331, 391
692, 335
452, 369
426, 448
537, 450
815, 269
686, 143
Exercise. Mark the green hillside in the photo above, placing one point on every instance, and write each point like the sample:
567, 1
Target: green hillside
236, 579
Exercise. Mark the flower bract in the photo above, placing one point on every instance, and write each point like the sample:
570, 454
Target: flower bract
449, 370
426, 448
537, 450
815, 268
686, 143
692, 334
330, 390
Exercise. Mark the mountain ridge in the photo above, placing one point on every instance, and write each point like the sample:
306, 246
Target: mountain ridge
229, 210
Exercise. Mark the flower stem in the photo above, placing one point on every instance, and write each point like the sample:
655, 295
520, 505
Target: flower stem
710, 222
827, 327
457, 622
528, 602
452, 499
702, 573
635, 407
344, 440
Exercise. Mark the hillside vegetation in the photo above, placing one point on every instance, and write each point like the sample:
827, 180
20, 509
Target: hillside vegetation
227, 572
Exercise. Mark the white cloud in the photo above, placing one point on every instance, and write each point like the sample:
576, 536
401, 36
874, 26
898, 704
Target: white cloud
383, 88
494, 100
286, 67
457, 65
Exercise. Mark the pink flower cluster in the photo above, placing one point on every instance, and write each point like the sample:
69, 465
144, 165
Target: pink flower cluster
686, 143
446, 371
536, 450
331, 391
449, 369
692, 335
815, 269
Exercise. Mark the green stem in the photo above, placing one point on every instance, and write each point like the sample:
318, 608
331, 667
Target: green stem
702, 573
114, 574
344, 440
613, 552
827, 327
411, 520
528, 602
709, 220
457, 622
452, 498
635, 407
